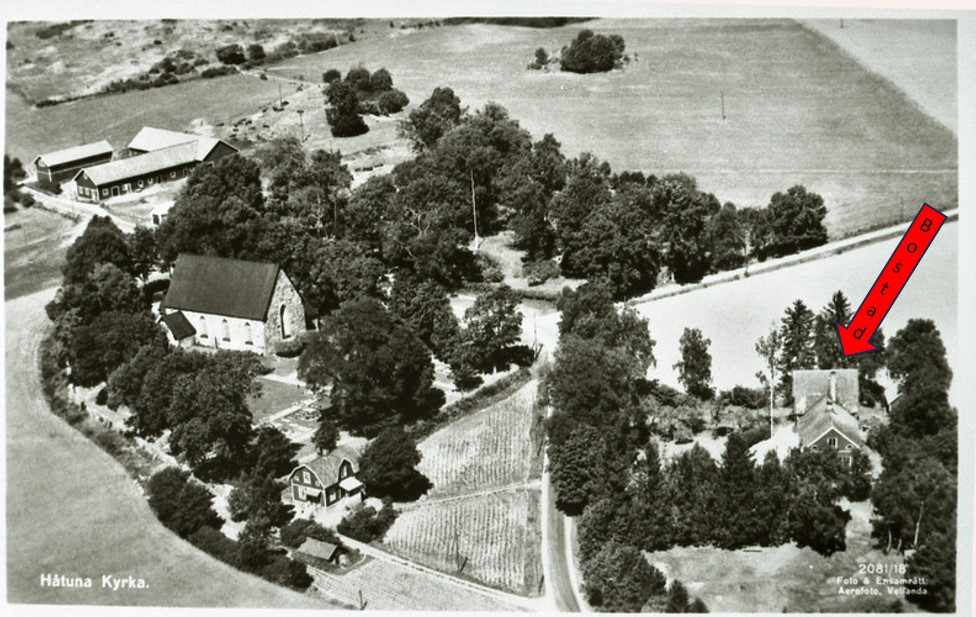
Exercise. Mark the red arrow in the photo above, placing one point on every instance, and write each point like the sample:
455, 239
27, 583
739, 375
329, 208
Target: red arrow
856, 337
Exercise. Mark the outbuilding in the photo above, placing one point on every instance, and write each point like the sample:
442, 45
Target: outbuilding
54, 168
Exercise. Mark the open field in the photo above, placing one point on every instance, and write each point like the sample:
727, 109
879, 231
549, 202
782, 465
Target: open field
34, 244
783, 578
496, 534
929, 79
486, 449
390, 587
90, 518
790, 95
275, 396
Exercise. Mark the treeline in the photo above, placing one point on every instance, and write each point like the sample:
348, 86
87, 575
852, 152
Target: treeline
915, 499
525, 22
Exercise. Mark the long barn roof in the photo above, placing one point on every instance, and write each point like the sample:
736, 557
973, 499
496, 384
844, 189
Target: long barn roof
150, 138
220, 286
76, 153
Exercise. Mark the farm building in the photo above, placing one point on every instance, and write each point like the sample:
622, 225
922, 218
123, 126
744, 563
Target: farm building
150, 139
147, 168
54, 168
232, 304
828, 420
326, 479
316, 553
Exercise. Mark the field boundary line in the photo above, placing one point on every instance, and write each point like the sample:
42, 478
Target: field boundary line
503, 488
371, 551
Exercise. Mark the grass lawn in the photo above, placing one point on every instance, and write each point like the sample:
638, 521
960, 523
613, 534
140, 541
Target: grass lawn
791, 95
275, 396
35, 242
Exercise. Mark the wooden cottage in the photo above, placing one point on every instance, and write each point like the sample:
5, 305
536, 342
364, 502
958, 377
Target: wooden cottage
326, 479
826, 407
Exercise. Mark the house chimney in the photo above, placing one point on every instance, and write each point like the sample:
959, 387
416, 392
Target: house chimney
832, 397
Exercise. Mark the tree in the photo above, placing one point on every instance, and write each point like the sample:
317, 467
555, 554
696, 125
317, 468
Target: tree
143, 252
935, 562
677, 598
684, 234
797, 351
258, 498
392, 101
726, 239
572, 465
424, 306
695, 366
13, 172
691, 487
342, 113
492, 326
587, 190
388, 467
107, 342
650, 521
432, 119
231, 54
795, 220
772, 502
768, 347
220, 211
181, 504
917, 358
331, 75
541, 57
102, 242
737, 491
358, 78
297, 531
274, 454
255, 53
592, 53
381, 373
326, 436
618, 579
816, 522
381, 81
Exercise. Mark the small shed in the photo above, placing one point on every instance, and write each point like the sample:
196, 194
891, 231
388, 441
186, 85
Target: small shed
317, 553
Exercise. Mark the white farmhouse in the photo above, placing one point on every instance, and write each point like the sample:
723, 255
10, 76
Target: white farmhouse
232, 304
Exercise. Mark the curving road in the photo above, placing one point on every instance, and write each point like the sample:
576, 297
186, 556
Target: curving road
72, 510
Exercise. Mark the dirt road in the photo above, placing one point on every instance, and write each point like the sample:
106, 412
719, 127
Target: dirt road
73, 511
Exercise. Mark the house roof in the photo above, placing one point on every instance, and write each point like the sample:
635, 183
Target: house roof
76, 153
220, 286
809, 386
142, 164
179, 325
824, 416
318, 548
327, 467
150, 138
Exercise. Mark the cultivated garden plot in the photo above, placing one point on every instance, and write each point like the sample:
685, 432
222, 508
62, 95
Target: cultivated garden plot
451, 536
488, 449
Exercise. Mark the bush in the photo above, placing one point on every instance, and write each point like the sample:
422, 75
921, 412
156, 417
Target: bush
538, 272
739, 396
290, 349
392, 101
366, 524
218, 71
231, 54
331, 75
297, 531
255, 53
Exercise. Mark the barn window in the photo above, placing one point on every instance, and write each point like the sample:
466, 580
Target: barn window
832, 442
150, 180
172, 174
306, 477
104, 192
226, 329
203, 327
140, 184
247, 333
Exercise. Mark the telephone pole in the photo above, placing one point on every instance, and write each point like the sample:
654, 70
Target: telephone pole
474, 209
723, 105
301, 124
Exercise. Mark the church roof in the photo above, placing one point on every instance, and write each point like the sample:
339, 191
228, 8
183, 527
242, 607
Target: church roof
220, 286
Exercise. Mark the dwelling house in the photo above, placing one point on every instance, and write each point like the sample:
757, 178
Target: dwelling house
54, 168
171, 156
232, 304
826, 411
326, 479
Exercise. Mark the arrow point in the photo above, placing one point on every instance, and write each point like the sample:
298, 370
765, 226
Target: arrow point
851, 345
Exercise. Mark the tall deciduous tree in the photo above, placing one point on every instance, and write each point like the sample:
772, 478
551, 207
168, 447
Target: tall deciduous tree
618, 579
380, 372
795, 220
388, 467
695, 366
432, 119
726, 239
342, 112
102, 242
